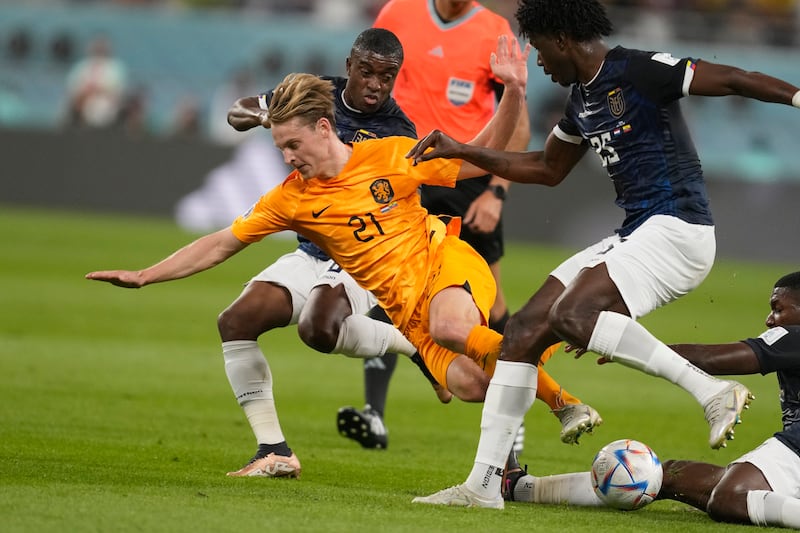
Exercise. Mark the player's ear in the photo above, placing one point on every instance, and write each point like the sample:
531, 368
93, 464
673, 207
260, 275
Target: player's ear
324, 126
561, 40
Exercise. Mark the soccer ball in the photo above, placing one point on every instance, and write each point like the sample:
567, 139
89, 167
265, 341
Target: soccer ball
626, 474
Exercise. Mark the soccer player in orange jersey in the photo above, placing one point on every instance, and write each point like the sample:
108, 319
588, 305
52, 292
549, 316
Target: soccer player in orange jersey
446, 83
359, 203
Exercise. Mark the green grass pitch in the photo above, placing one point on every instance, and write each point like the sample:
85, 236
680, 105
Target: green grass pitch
116, 415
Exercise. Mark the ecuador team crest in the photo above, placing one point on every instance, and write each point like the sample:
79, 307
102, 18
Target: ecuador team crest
616, 102
382, 191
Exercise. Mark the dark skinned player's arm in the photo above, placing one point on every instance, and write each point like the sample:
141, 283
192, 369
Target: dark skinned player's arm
713, 79
246, 114
735, 358
547, 167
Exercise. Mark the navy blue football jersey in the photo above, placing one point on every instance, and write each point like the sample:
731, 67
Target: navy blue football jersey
354, 126
630, 114
778, 350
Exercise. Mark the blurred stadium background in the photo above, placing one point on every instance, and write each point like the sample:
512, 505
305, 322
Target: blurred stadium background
187, 60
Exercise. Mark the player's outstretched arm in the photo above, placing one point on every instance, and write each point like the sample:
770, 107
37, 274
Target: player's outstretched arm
735, 358
202, 254
246, 114
712, 79
548, 167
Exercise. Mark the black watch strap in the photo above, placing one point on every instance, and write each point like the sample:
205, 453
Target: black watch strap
498, 191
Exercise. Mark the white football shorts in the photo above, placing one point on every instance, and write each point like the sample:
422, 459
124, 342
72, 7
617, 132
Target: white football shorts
779, 464
662, 260
300, 272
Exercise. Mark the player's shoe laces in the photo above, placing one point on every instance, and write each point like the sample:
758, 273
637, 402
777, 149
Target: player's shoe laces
365, 427
460, 496
576, 419
723, 411
270, 466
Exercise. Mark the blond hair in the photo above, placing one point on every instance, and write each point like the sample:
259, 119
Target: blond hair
302, 95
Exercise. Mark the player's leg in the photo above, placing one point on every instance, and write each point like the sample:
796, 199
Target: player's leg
690, 482
573, 488
270, 300
760, 487
575, 416
498, 314
460, 374
510, 394
334, 320
662, 260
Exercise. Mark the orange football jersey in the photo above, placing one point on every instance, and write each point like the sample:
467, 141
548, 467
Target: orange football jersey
368, 219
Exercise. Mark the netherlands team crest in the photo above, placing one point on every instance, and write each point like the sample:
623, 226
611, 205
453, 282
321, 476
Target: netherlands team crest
382, 191
616, 102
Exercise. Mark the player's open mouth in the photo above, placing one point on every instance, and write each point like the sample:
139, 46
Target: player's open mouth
370, 99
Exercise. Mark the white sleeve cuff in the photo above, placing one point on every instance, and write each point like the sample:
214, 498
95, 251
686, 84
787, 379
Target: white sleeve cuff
560, 134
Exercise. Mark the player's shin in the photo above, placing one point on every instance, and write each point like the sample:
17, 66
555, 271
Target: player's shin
511, 393
483, 346
251, 381
621, 339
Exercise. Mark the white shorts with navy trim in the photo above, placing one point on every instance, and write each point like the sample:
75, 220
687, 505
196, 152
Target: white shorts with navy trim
779, 464
300, 272
662, 260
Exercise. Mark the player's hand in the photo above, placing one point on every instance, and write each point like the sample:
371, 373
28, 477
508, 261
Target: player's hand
484, 213
580, 351
442, 146
509, 63
121, 278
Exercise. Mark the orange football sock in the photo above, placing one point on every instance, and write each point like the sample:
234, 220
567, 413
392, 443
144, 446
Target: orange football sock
548, 390
483, 346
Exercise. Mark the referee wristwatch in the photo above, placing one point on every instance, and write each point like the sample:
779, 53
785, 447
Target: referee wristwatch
498, 191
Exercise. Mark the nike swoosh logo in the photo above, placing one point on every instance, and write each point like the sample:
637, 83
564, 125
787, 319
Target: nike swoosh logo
316, 214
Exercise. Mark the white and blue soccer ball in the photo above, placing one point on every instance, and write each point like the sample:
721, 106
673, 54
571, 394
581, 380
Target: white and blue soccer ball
626, 474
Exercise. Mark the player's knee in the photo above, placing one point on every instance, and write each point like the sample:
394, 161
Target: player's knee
450, 333
319, 336
728, 504
470, 389
722, 506
571, 322
233, 325
243, 321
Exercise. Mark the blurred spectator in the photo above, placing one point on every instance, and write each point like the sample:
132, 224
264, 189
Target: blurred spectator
780, 20
317, 63
133, 115
96, 87
62, 49
19, 44
187, 121
241, 83
338, 13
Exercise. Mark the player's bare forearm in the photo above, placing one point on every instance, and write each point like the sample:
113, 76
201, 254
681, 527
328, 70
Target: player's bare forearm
735, 358
202, 254
519, 167
713, 79
245, 114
